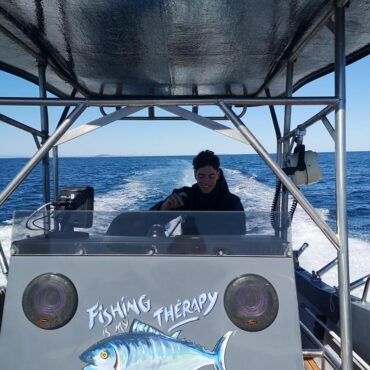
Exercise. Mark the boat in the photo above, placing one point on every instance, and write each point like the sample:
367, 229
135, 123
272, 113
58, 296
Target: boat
132, 290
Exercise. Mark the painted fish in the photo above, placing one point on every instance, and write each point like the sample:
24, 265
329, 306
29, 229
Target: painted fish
144, 348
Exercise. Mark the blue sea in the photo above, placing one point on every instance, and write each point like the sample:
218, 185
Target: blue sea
136, 183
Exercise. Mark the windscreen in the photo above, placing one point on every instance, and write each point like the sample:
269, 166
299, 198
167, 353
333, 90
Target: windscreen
163, 233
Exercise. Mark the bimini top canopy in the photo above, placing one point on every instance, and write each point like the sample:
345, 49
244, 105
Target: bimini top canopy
175, 48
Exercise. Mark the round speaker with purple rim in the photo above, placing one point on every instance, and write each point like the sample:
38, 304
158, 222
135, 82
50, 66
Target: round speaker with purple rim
251, 302
50, 301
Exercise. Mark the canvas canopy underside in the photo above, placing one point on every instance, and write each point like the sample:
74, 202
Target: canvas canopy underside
174, 48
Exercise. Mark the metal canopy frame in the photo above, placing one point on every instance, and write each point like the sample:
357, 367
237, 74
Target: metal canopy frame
129, 106
163, 59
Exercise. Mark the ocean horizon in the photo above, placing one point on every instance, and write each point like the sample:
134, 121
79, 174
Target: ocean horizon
159, 155
126, 183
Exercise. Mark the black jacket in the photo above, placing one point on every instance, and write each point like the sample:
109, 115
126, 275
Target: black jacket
200, 223
220, 199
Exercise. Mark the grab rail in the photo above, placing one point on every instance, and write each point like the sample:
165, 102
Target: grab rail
336, 339
329, 357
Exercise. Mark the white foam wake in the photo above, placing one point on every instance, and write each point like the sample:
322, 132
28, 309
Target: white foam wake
321, 251
258, 196
139, 189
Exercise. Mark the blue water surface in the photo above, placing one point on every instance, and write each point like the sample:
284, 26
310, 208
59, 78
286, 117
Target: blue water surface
145, 180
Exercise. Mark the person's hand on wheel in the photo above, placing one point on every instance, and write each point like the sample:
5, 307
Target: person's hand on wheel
174, 201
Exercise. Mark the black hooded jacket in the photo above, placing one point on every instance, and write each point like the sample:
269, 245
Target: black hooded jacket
198, 223
219, 199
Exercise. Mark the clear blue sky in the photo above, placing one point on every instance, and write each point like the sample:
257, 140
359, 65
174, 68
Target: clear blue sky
180, 137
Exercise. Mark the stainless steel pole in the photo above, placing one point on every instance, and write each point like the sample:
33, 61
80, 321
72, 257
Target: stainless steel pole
55, 180
287, 124
45, 134
341, 190
31, 164
309, 122
257, 146
20, 125
328, 127
324, 100
56, 161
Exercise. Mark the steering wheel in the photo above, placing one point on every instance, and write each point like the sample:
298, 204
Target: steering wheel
156, 230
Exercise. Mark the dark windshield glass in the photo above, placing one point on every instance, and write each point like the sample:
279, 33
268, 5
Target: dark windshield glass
208, 233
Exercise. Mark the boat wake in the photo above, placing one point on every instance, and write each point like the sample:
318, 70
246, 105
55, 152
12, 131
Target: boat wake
142, 189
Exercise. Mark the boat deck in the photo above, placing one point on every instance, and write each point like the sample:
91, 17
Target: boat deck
310, 364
